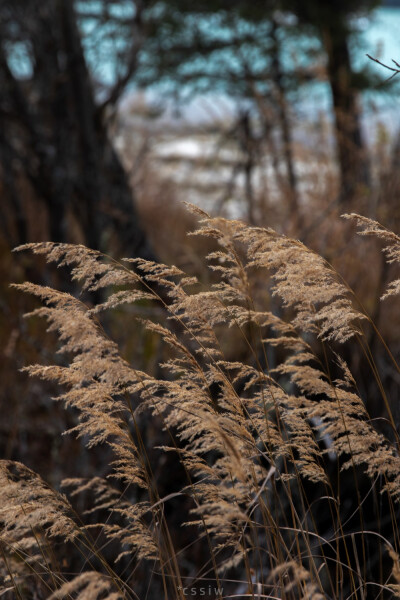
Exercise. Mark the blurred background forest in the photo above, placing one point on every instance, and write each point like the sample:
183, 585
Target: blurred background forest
115, 112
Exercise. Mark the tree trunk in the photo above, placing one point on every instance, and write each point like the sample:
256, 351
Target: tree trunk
283, 116
353, 163
60, 139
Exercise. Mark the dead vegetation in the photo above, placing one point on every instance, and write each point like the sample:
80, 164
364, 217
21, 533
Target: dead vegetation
287, 487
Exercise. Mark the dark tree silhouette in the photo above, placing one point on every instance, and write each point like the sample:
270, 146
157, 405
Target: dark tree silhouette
53, 133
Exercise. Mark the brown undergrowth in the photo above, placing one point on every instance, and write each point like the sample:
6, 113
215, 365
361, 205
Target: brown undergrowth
287, 487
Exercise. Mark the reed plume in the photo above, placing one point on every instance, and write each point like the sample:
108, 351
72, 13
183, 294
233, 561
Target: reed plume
262, 446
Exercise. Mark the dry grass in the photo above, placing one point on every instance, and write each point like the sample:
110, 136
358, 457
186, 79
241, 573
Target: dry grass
287, 487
